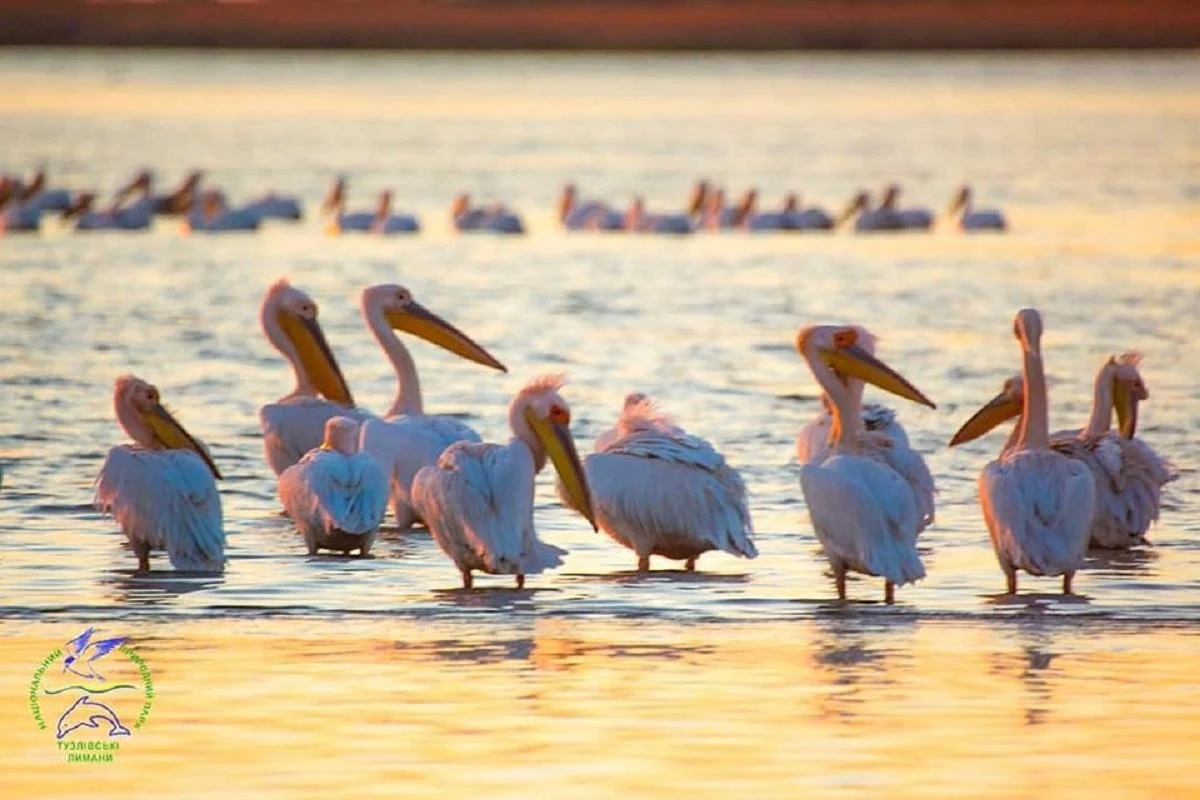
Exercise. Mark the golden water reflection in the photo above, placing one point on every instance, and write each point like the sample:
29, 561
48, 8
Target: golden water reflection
843, 704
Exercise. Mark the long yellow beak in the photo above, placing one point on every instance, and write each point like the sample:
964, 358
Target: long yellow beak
560, 447
856, 362
420, 321
1000, 408
173, 436
315, 357
1126, 405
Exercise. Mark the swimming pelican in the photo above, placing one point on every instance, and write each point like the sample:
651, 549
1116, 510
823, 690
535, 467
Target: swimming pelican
867, 219
969, 218
478, 500
295, 423
658, 490
276, 206
161, 489
639, 220
883, 430
340, 220
1128, 473
178, 202
590, 215
1037, 502
212, 215
750, 218
715, 215
407, 438
15, 215
799, 218
495, 218
336, 495
38, 196
862, 510
387, 222
911, 219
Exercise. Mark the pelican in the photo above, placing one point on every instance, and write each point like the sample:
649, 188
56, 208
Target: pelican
715, 215
911, 219
340, 221
639, 220
386, 222
161, 489
799, 218
883, 430
969, 218
336, 495
495, 218
213, 215
407, 438
1128, 474
867, 219
592, 215
137, 215
276, 206
178, 202
659, 490
37, 196
478, 500
1038, 503
15, 215
862, 510
295, 423
751, 219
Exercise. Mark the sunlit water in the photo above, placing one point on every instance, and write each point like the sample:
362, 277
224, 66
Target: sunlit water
301, 675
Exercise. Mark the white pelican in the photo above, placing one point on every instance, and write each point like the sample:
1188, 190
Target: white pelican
749, 218
39, 197
15, 215
911, 219
799, 218
478, 500
1037, 502
336, 495
211, 214
639, 220
179, 201
408, 439
715, 215
883, 430
658, 490
862, 510
969, 218
386, 221
295, 423
867, 219
591, 215
137, 215
161, 490
495, 218
1129, 475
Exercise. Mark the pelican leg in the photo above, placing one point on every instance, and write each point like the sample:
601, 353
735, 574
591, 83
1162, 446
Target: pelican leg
466, 576
520, 580
690, 565
1067, 576
143, 556
889, 592
643, 563
1011, 575
839, 578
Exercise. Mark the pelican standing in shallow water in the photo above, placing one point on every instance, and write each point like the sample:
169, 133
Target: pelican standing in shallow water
295, 423
407, 438
478, 500
336, 495
1128, 474
658, 490
1038, 503
161, 490
862, 510
887, 435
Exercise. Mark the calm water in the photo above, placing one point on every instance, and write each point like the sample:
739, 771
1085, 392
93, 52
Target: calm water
741, 679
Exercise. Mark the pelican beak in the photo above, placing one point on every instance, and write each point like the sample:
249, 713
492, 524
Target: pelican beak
856, 362
315, 357
420, 321
1000, 408
1126, 404
560, 447
173, 436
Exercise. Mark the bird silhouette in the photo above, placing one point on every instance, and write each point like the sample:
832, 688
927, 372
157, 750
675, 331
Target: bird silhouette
82, 653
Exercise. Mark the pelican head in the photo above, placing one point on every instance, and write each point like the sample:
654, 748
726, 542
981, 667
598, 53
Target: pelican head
341, 434
336, 197
847, 351
1027, 327
461, 205
397, 306
791, 202
81, 205
699, 194
891, 195
541, 418
1128, 390
567, 201
289, 319
860, 202
139, 410
632, 399
961, 200
1004, 406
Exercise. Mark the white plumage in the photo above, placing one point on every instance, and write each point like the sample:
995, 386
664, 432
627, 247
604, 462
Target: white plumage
294, 426
336, 495
478, 500
408, 439
660, 491
161, 490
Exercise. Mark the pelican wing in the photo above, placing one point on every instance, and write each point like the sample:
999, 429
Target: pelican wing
166, 499
291, 429
404, 445
662, 484
812, 443
1038, 506
328, 491
865, 516
478, 503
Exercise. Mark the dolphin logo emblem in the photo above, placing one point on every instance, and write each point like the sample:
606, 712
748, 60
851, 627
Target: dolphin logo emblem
86, 713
